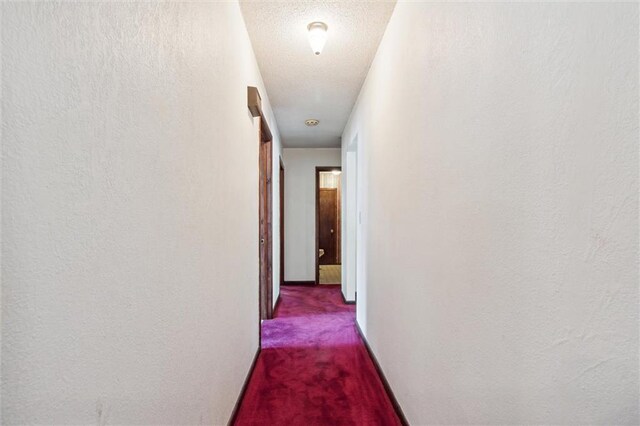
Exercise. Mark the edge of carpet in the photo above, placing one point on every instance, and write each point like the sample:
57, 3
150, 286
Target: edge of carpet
385, 383
236, 407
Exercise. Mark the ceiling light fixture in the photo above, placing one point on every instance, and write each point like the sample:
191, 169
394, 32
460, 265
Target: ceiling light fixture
311, 122
317, 36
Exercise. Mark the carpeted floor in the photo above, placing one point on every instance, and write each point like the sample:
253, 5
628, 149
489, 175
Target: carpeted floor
313, 368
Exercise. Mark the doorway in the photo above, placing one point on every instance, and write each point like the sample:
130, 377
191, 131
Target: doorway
328, 225
265, 208
281, 222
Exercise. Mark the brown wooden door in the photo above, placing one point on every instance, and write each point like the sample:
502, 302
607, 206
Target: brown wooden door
328, 225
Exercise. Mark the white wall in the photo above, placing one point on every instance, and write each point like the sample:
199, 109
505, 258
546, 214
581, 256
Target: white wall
275, 220
129, 213
349, 221
500, 213
300, 208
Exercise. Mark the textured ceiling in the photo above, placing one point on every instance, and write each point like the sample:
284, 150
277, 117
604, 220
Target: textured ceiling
302, 85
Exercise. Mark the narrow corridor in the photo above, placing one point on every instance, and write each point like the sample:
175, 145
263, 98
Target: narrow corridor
314, 368
183, 184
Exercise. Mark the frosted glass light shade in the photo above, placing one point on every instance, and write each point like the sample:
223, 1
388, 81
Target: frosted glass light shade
317, 36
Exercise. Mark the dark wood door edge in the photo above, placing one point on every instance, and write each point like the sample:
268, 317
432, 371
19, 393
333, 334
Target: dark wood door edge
300, 283
281, 222
385, 383
236, 407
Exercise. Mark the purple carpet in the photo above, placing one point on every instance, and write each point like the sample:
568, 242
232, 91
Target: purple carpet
313, 368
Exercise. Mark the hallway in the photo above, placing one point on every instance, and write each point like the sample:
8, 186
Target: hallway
314, 368
162, 197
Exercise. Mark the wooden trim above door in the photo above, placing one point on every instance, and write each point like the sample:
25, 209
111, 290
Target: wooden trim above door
254, 103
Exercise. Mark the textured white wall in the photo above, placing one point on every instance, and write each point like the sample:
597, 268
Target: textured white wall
349, 220
130, 229
275, 186
300, 208
275, 259
500, 145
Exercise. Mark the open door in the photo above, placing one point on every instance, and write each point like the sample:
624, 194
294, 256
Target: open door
328, 225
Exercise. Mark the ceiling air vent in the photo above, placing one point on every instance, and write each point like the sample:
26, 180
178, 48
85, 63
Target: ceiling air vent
311, 122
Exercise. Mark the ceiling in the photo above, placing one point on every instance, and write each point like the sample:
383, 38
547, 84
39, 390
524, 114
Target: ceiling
302, 85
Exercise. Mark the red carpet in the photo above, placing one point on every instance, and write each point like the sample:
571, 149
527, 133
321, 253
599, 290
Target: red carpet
313, 368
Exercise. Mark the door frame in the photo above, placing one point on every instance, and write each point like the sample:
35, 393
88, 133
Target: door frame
315, 254
281, 183
265, 216
265, 209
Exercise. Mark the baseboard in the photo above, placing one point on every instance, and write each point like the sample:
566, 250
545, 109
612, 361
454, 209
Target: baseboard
385, 383
347, 302
236, 407
300, 283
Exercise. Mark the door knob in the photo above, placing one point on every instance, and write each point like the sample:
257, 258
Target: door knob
332, 231
261, 240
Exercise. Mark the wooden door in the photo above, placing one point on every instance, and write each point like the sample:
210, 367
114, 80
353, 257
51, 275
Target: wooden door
265, 242
328, 225
281, 223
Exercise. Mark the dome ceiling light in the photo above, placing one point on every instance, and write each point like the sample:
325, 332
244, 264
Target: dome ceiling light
312, 122
317, 36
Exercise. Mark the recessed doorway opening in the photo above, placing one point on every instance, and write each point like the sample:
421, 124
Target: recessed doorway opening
328, 225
